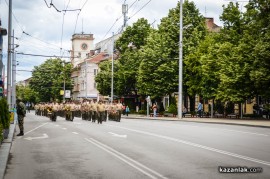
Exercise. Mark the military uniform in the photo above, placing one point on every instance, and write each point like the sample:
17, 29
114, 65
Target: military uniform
101, 112
119, 107
94, 111
21, 111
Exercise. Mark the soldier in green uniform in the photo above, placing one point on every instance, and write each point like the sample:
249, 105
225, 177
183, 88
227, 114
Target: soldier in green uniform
21, 111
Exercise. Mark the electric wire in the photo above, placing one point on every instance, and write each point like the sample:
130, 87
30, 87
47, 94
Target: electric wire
140, 9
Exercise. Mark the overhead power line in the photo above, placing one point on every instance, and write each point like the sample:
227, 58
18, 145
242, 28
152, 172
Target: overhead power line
140, 9
38, 55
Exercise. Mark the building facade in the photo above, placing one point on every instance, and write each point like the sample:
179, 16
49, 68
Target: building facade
82, 45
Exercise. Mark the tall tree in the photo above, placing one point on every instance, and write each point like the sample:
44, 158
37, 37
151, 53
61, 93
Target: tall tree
49, 78
158, 74
130, 42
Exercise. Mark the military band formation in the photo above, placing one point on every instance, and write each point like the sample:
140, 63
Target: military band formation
89, 110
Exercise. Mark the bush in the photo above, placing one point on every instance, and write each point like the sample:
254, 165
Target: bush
4, 114
252, 115
1, 133
142, 112
172, 109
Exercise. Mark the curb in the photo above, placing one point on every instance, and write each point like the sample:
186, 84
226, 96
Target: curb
5, 149
208, 122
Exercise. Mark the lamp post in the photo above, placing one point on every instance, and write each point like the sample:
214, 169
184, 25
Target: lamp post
180, 89
112, 68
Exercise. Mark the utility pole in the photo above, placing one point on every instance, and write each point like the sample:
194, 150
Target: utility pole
9, 54
112, 68
13, 97
180, 92
86, 66
124, 12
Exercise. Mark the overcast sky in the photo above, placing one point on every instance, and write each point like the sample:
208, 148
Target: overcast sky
44, 25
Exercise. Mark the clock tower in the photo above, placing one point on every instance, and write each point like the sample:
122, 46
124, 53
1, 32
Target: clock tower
81, 46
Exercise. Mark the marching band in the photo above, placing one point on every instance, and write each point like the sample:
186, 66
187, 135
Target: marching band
89, 110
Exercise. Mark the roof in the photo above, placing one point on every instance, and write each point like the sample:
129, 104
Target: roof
98, 58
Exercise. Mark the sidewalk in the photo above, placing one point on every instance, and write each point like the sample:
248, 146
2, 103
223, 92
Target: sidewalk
231, 121
5, 149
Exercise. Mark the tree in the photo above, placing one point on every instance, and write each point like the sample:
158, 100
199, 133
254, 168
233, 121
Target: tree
130, 42
103, 78
25, 93
49, 78
158, 73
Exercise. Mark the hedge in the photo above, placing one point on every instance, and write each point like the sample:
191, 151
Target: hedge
4, 117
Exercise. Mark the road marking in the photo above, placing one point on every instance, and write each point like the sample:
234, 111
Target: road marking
64, 128
196, 145
33, 138
144, 169
33, 129
252, 133
75, 132
118, 135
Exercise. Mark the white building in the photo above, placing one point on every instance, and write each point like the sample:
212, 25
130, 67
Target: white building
82, 44
85, 60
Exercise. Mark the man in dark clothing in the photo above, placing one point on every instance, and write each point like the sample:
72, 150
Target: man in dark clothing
21, 111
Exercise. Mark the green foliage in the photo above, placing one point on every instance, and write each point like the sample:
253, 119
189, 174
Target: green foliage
172, 109
49, 78
103, 78
4, 114
142, 112
25, 93
129, 44
158, 72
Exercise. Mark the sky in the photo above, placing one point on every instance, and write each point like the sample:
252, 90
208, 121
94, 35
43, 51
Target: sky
40, 29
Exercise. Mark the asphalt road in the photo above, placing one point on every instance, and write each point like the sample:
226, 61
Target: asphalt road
137, 148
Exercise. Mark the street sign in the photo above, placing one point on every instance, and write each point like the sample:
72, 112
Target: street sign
67, 94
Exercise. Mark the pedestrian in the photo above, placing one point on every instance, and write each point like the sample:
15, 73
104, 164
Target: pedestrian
199, 108
21, 112
184, 111
124, 109
154, 107
127, 110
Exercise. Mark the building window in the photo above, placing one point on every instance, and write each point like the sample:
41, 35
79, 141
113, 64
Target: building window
79, 54
95, 72
95, 85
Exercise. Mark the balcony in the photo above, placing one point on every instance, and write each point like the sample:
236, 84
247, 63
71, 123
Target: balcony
76, 88
75, 74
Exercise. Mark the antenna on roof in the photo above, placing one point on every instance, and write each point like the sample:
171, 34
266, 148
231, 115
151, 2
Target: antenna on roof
82, 26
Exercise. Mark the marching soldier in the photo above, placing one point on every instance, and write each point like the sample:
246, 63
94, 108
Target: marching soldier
119, 107
94, 111
55, 108
101, 112
83, 109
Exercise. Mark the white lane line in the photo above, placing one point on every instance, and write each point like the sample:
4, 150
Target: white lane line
64, 128
197, 145
35, 128
125, 159
75, 132
118, 135
252, 133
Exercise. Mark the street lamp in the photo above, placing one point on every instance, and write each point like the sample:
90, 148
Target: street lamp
112, 67
180, 89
